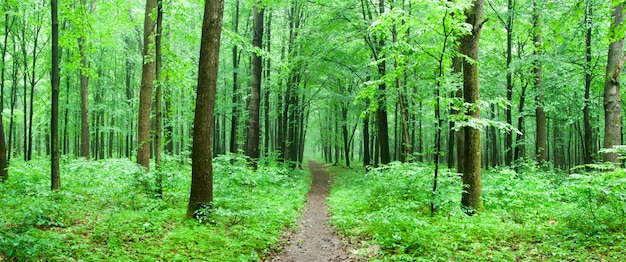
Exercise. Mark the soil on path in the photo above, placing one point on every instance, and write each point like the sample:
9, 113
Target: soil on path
315, 240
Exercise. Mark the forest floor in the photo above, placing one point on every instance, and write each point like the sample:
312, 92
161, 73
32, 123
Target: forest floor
315, 240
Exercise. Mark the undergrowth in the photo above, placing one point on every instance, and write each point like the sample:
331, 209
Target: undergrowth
530, 216
106, 211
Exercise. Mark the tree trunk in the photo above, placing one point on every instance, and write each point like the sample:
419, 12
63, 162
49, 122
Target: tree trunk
508, 139
235, 99
254, 127
158, 132
457, 63
612, 95
471, 197
84, 101
366, 140
542, 131
4, 173
588, 77
201, 195
54, 118
382, 125
147, 84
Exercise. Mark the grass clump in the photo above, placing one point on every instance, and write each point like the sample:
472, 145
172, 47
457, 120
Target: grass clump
532, 216
107, 211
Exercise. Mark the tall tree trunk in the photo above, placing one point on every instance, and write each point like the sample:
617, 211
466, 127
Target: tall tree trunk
612, 95
542, 130
54, 118
235, 99
588, 76
460, 135
84, 100
254, 127
158, 104
508, 139
147, 84
382, 125
471, 198
4, 173
520, 143
201, 195
268, 63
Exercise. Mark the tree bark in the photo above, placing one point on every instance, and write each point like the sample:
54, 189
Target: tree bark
254, 127
612, 96
471, 197
508, 139
235, 99
201, 195
54, 118
147, 84
158, 104
542, 130
382, 125
84, 101
588, 77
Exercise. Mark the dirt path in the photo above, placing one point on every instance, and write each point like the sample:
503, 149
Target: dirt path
315, 241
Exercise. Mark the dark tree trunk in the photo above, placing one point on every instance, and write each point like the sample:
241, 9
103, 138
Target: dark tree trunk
382, 125
54, 119
4, 173
201, 195
366, 140
508, 139
235, 100
612, 95
471, 197
158, 104
542, 130
254, 127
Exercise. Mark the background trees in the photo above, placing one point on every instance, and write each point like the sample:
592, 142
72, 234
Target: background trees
357, 80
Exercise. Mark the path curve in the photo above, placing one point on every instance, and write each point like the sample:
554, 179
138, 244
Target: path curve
315, 240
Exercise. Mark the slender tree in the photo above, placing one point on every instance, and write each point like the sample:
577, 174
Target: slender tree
4, 173
382, 126
84, 86
235, 98
158, 104
471, 197
201, 195
54, 119
612, 95
254, 127
147, 83
542, 130
588, 77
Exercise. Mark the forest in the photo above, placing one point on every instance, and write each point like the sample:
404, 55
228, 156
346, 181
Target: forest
189, 130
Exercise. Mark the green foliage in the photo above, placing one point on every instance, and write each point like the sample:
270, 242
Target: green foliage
106, 211
532, 215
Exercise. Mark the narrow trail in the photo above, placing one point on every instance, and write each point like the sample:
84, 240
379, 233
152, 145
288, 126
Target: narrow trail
315, 241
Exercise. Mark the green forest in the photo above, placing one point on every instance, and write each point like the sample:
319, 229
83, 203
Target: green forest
189, 130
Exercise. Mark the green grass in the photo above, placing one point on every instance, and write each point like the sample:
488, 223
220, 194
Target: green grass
530, 216
105, 212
